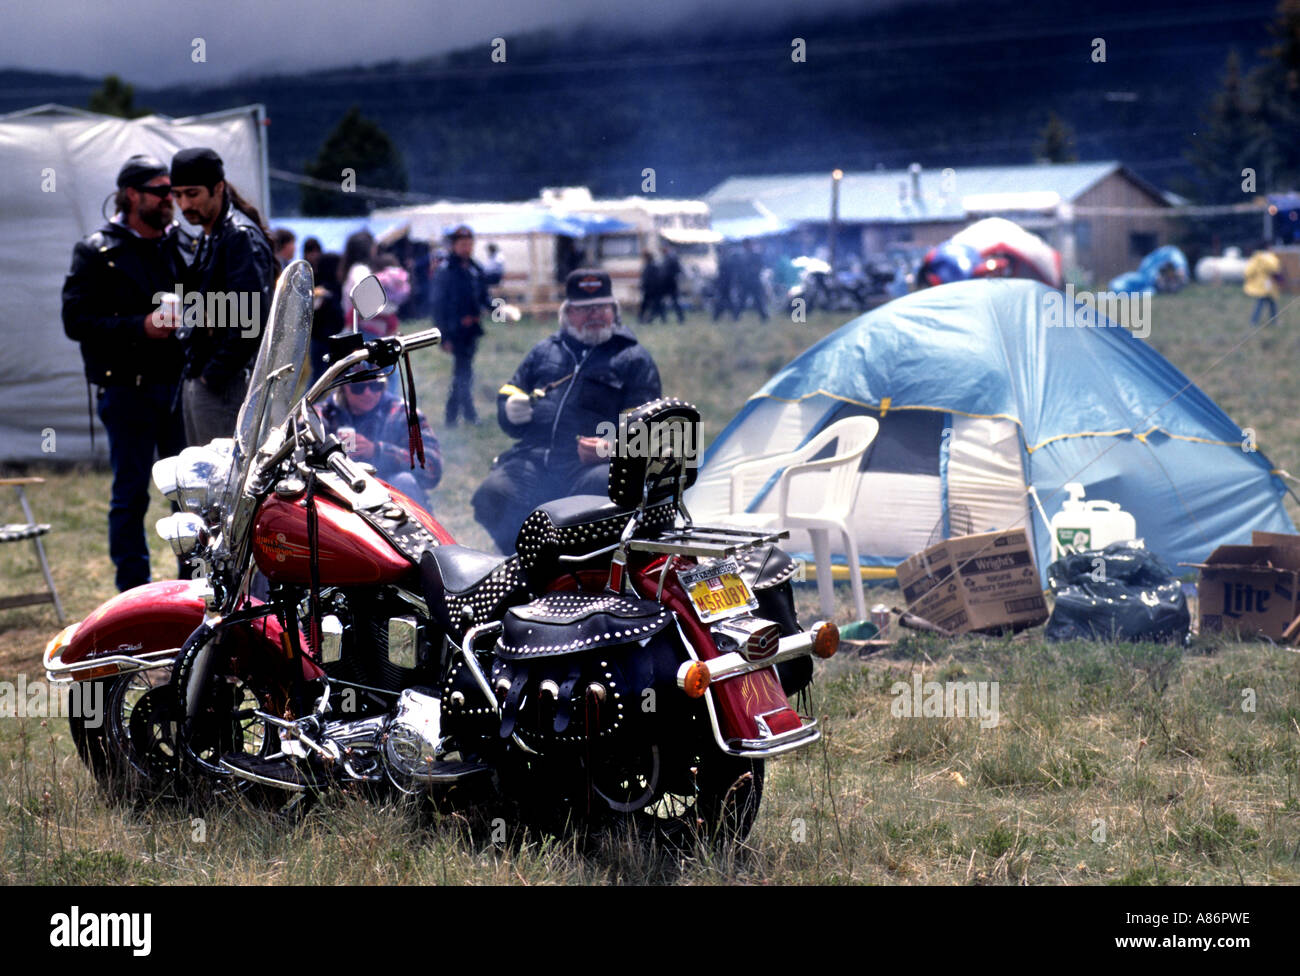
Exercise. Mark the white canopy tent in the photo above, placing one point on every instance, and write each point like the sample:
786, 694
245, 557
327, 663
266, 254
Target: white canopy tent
58, 169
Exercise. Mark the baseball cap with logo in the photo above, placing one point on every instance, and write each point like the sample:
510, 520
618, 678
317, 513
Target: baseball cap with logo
588, 286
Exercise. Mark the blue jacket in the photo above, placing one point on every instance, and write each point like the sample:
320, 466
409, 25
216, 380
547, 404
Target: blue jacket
584, 386
459, 289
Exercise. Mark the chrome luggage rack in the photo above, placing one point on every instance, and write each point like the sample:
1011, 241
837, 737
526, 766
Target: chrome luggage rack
715, 542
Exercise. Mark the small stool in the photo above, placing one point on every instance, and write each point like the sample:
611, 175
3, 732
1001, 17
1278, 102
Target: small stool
17, 532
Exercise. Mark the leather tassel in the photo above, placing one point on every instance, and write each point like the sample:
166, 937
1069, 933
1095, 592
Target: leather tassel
313, 558
415, 439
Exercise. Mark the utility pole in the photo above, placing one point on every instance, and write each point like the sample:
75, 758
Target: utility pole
836, 176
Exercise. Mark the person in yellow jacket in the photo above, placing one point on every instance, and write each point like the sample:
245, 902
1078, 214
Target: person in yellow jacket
1263, 274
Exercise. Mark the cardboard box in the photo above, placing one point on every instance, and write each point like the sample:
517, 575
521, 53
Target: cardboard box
975, 582
1289, 259
1253, 590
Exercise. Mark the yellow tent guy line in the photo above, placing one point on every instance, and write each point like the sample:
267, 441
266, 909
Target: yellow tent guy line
1139, 436
1199, 440
1083, 433
886, 404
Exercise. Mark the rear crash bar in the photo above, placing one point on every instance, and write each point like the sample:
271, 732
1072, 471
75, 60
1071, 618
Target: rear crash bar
822, 639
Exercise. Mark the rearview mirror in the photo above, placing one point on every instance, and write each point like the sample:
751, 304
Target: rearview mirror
368, 297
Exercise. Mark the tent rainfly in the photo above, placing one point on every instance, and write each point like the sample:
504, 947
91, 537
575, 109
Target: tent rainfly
981, 397
58, 170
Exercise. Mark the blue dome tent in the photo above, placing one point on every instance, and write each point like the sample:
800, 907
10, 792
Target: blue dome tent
983, 390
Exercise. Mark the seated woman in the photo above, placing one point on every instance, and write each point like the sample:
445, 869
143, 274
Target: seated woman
371, 423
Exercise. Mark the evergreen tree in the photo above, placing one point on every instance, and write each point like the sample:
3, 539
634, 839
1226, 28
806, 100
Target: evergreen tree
1056, 142
357, 144
1230, 139
1276, 88
116, 97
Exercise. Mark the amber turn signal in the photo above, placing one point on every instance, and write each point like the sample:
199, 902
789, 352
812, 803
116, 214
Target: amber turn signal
103, 671
695, 682
827, 640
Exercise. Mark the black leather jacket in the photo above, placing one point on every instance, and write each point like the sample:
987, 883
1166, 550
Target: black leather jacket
106, 296
236, 259
585, 386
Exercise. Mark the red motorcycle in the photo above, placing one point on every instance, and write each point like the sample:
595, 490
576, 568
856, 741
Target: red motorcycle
623, 662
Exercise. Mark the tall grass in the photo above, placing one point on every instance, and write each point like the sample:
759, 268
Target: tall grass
1118, 764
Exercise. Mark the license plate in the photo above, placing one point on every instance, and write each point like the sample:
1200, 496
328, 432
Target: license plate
717, 590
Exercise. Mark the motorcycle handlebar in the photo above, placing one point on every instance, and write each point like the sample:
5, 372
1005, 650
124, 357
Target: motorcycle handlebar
429, 337
340, 465
338, 462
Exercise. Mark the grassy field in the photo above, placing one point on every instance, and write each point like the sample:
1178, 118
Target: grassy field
1110, 764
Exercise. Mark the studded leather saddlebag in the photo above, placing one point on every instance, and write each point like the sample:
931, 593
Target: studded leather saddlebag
575, 668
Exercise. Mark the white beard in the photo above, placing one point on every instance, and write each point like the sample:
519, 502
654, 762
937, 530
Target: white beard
589, 337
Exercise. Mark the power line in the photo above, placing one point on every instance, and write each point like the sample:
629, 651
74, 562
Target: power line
400, 196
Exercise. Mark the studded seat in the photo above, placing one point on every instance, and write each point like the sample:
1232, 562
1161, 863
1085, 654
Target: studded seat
458, 579
577, 526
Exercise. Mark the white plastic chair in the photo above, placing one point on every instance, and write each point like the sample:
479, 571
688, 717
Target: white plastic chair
837, 486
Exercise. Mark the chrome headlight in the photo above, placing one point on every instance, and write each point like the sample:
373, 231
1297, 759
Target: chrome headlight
200, 478
185, 532
164, 477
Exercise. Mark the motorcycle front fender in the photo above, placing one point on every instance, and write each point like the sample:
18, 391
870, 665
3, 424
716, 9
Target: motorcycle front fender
139, 628
144, 628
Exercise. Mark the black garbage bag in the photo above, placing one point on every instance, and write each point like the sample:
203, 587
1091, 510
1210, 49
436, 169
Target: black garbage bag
1122, 592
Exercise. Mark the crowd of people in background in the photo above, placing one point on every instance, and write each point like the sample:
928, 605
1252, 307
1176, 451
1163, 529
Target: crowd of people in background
163, 381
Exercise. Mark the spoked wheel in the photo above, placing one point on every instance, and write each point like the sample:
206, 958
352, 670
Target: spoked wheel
130, 749
716, 801
729, 791
140, 730
627, 784
226, 723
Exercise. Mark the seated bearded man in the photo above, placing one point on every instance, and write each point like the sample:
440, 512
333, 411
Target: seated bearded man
567, 386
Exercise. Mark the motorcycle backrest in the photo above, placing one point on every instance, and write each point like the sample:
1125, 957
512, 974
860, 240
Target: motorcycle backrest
657, 453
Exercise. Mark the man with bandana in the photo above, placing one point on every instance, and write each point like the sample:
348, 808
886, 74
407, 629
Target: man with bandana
568, 384
112, 306
234, 271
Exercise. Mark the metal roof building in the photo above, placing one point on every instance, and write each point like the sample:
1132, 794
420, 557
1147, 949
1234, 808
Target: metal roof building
881, 209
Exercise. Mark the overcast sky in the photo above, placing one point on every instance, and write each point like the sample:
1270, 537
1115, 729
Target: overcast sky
150, 42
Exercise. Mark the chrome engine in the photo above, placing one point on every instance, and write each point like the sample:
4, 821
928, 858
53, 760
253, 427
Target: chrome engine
403, 745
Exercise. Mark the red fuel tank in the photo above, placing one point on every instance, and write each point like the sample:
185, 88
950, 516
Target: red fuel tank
351, 552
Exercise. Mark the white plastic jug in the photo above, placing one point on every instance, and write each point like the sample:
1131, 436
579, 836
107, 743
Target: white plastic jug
1093, 524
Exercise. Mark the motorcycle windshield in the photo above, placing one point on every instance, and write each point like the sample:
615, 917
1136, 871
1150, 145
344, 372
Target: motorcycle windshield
280, 372
279, 380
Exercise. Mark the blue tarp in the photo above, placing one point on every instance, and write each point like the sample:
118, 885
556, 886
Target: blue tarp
544, 222
1147, 276
743, 228
522, 222
332, 232
594, 223
1095, 405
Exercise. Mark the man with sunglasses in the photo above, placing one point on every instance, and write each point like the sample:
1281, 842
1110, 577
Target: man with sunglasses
131, 354
371, 423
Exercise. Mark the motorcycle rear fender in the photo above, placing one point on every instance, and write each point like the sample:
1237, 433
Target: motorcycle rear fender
750, 713
144, 628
